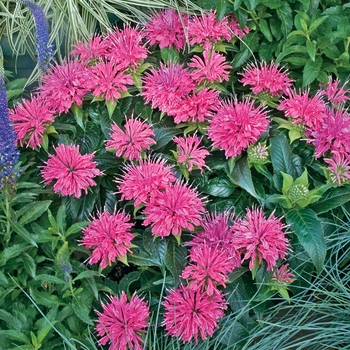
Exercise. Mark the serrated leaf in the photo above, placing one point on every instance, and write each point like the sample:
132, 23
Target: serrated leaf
12, 252
14, 335
241, 176
175, 259
24, 233
317, 23
45, 298
49, 279
308, 228
285, 14
82, 310
86, 274
295, 49
29, 264
311, 70
311, 49
332, 199
32, 211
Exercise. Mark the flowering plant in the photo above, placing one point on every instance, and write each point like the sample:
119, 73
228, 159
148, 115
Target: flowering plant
152, 165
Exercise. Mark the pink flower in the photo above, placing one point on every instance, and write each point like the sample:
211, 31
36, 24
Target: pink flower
196, 107
94, 50
130, 143
266, 78
30, 120
175, 208
166, 29
206, 30
190, 153
126, 49
65, 85
237, 125
208, 269
260, 239
71, 171
122, 323
217, 233
109, 236
334, 93
212, 68
333, 134
145, 180
310, 112
234, 26
192, 313
166, 86
339, 169
282, 275
108, 81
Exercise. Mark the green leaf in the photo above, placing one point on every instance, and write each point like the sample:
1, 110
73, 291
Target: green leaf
311, 49
175, 259
264, 27
45, 298
163, 136
86, 274
75, 228
308, 228
24, 233
156, 248
311, 70
285, 14
317, 23
49, 279
242, 176
45, 331
82, 309
32, 211
332, 199
14, 335
12, 252
281, 158
29, 264
128, 279
295, 49
218, 187
169, 55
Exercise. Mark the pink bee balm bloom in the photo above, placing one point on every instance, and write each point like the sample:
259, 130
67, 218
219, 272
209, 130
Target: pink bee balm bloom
166, 28
65, 85
310, 112
260, 238
109, 236
282, 275
126, 48
71, 171
266, 78
108, 81
190, 153
234, 26
333, 134
237, 125
130, 143
122, 323
196, 107
217, 233
208, 269
334, 93
94, 50
175, 208
30, 120
166, 86
212, 68
206, 30
192, 313
144, 180
339, 169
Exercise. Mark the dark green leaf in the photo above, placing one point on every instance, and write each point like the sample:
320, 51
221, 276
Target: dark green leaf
264, 27
82, 307
175, 259
45, 298
14, 335
163, 136
128, 279
218, 187
32, 211
311, 70
295, 49
332, 199
308, 228
24, 233
12, 252
311, 49
281, 158
242, 176
285, 14
29, 264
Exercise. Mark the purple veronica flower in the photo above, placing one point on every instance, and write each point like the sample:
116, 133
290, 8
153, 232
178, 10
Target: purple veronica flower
9, 154
44, 50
